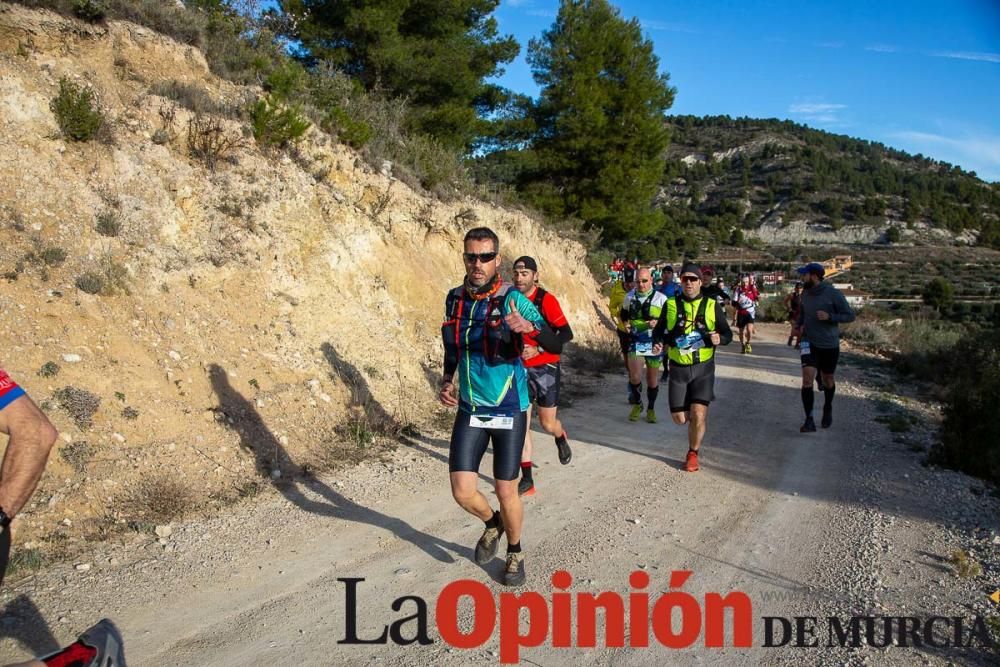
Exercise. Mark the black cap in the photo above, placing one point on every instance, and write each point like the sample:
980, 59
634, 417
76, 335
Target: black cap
526, 263
690, 267
668, 268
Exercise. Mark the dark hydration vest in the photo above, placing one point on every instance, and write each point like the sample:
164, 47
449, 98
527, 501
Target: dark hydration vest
639, 310
478, 326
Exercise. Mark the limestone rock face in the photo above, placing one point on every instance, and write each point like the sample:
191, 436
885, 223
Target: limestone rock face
255, 304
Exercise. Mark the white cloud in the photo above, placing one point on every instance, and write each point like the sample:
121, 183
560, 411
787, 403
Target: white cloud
967, 55
882, 48
814, 108
544, 13
652, 24
978, 153
818, 113
520, 3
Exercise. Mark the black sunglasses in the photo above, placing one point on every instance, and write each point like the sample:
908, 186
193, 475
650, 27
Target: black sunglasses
690, 279
483, 257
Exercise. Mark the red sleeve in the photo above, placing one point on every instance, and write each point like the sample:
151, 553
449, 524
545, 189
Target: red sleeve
552, 312
9, 391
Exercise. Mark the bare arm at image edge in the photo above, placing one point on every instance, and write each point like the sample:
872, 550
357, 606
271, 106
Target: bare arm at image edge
31, 436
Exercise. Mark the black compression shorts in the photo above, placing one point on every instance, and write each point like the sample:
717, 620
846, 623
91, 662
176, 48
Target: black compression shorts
690, 384
543, 385
823, 358
743, 319
468, 445
4, 551
625, 341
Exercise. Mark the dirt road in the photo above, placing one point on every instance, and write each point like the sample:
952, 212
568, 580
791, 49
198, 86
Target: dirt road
836, 523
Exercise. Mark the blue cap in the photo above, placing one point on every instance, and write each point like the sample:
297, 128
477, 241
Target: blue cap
812, 267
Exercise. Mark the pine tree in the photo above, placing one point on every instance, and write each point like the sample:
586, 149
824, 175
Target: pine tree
438, 55
599, 151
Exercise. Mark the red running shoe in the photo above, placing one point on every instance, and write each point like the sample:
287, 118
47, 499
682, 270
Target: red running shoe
691, 465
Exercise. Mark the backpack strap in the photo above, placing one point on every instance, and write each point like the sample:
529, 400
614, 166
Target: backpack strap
681, 320
637, 307
538, 298
699, 318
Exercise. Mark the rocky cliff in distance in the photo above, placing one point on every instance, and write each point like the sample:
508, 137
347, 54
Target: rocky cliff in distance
261, 301
734, 179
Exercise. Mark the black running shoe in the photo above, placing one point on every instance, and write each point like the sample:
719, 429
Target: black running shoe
827, 420
513, 574
525, 487
565, 454
486, 547
809, 426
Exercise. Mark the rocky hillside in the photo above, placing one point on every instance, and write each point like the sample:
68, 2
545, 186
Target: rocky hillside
250, 321
781, 182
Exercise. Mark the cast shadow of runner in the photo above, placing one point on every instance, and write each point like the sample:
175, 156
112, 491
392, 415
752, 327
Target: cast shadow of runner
414, 439
363, 401
602, 315
270, 455
21, 621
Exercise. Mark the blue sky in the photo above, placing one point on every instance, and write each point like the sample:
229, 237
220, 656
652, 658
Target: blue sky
917, 75
914, 74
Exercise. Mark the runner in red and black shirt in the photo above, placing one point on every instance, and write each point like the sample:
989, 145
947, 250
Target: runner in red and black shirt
30, 436
542, 365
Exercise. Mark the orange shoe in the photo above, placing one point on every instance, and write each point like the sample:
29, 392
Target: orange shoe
691, 465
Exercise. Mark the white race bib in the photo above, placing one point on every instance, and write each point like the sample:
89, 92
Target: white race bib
502, 422
804, 348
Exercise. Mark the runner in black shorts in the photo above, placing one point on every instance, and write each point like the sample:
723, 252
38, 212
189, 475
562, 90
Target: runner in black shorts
823, 359
694, 385
485, 319
691, 326
823, 308
30, 439
543, 385
542, 365
469, 446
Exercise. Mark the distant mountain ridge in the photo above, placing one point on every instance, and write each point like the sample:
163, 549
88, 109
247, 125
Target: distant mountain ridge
781, 182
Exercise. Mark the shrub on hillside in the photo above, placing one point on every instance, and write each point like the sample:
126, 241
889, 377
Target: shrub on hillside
970, 438
869, 335
209, 141
193, 98
90, 10
277, 125
80, 404
938, 293
76, 111
432, 163
90, 282
109, 223
925, 347
772, 309
355, 133
110, 278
